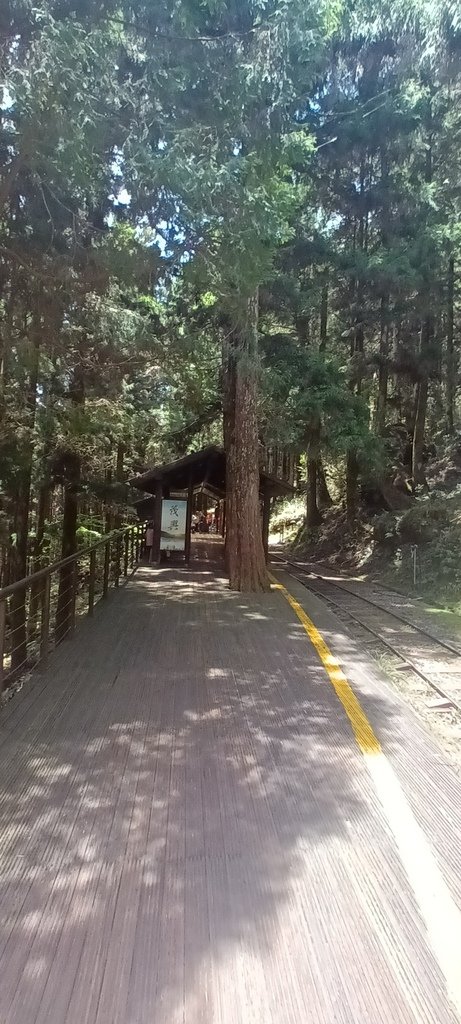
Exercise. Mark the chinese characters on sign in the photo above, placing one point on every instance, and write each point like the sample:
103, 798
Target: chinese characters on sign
173, 535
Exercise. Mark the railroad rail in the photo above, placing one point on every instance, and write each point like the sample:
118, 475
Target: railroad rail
416, 649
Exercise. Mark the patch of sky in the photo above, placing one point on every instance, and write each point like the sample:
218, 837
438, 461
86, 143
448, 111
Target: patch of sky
6, 97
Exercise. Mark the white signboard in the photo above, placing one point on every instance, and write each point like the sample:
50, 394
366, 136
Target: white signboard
174, 516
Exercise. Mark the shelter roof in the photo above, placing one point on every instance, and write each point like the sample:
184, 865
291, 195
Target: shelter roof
205, 468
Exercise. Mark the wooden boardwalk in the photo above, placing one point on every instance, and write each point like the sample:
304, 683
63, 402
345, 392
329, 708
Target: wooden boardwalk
190, 835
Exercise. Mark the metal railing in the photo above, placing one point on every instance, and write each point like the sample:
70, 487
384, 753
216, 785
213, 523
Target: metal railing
41, 610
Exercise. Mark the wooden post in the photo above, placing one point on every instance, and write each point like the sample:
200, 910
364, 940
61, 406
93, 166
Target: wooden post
105, 585
118, 546
2, 640
73, 599
132, 548
265, 523
92, 582
137, 543
45, 625
190, 498
158, 498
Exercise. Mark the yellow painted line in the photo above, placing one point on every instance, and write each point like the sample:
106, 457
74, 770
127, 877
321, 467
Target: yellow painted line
363, 732
440, 913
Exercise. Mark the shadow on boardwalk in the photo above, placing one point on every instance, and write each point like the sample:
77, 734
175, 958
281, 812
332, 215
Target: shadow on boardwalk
177, 801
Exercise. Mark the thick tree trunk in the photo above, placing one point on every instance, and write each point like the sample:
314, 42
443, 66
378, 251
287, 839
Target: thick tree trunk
451, 364
324, 318
66, 591
352, 489
352, 465
43, 515
108, 519
244, 544
18, 609
120, 472
313, 452
313, 513
65, 605
357, 363
324, 499
324, 496
427, 338
383, 373
381, 399
120, 477
421, 396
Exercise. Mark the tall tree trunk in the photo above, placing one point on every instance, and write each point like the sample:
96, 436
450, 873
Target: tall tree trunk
313, 451
356, 353
383, 373
324, 496
43, 515
421, 397
451, 364
352, 464
120, 473
120, 477
45, 493
381, 398
418, 472
65, 605
352, 490
427, 337
313, 513
244, 547
108, 519
18, 609
324, 318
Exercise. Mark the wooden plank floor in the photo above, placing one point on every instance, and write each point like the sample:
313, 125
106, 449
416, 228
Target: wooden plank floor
189, 834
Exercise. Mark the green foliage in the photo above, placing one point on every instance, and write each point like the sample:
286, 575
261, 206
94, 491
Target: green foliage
86, 537
425, 521
385, 530
441, 564
301, 385
288, 514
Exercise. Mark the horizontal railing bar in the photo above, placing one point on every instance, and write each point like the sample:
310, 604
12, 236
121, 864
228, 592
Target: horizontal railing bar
13, 671
41, 574
40, 637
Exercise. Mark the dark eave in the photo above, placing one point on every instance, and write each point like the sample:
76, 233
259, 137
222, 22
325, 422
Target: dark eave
203, 469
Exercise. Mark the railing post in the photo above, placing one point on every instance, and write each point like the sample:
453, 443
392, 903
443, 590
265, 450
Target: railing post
126, 554
137, 545
18, 617
92, 583
2, 640
117, 560
74, 590
132, 548
105, 585
45, 624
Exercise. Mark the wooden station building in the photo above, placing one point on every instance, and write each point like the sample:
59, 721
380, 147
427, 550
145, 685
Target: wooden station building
203, 471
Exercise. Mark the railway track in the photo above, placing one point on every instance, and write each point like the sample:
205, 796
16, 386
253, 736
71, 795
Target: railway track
408, 645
